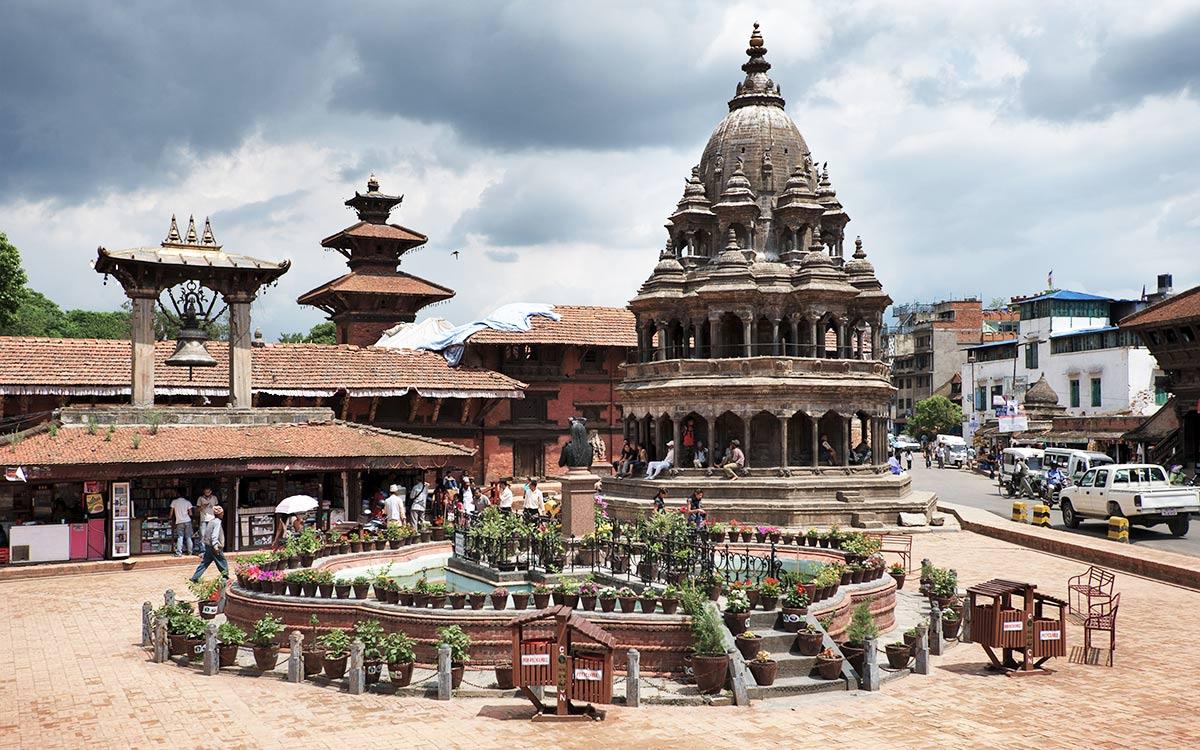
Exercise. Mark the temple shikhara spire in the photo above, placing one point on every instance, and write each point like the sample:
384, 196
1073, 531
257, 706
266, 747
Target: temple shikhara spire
753, 327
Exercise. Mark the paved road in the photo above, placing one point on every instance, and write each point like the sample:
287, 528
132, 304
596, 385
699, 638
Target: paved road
977, 491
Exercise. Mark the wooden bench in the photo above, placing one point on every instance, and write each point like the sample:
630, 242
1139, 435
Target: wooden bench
897, 544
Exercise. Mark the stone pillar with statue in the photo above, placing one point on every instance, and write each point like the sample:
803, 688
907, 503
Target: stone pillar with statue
578, 484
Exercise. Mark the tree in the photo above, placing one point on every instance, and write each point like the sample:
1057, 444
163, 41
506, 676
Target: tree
998, 303
322, 333
934, 415
12, 281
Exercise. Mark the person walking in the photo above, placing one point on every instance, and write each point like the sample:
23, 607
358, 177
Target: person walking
928, 457
214, 545
535, 501
506, 497
419, 495
181, 514
393, 505
735, 459
908, 459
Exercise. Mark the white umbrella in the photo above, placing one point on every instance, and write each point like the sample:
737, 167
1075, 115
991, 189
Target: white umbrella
296, 504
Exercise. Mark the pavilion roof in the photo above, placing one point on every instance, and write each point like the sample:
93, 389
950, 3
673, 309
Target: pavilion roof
394, 284
580, 325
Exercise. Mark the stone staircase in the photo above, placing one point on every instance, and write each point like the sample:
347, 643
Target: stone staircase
796, 672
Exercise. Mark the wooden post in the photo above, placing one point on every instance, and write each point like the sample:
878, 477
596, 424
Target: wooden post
147, 626
296, 657
212, 656
444, 680
633, 677
935, 630
964, 631
922, 654
869, 679
239, 349
161, 645
356, 677
143, 346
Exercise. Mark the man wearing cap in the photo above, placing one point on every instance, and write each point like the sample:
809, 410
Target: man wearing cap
393, 505
654, 468
214, 545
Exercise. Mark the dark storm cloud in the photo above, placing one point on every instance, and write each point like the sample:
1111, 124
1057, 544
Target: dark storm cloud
1126, 71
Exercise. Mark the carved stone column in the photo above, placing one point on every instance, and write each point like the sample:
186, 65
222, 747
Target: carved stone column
747, 334
846, 421
677, 436
783, 441
746, 439
816, 348
775, 336
714, 338
816, 440
794, 323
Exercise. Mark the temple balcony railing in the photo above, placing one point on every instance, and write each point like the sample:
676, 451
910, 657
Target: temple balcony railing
754, 367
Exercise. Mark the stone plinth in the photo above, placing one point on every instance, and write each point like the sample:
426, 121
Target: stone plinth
578, 503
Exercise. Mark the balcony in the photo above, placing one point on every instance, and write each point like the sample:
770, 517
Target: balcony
754, 367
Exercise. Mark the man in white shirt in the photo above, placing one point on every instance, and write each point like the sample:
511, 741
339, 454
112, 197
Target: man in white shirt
468, 495
204, 511
181, 516
535, 501
419, 494
506, 497
214, 545
393, 505
654, 468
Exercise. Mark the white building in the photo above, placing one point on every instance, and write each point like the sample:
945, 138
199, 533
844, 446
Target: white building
1071, 337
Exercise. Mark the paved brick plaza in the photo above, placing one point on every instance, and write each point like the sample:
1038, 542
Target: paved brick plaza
72, 675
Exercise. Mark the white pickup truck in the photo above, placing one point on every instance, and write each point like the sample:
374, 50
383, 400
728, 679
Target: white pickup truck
1139, 492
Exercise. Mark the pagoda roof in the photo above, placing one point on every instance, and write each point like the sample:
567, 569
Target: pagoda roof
1182, 306
368, 230
396, 283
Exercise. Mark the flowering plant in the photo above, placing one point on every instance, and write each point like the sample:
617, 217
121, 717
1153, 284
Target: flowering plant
737, 602
589, 588
769, 587
796, 598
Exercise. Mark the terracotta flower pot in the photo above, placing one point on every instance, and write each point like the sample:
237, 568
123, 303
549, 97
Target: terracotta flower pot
194, 649
404, 598
854, 655
499, 601
710, 672
748, 646
335, 668
394, 543
227, 654
312, 663
608, 605
648, 604
400, 674
588, 603
360, 590
438, 534
768, 603
753, 596
856, 575
456, 674
791, 618
910, 640
829, 669
458, 600
541, 601
627, 603
809, 644
342, 590
306, 560
176, 644
670, 606
950, 628
476, 600
372, 670
520, 601
714, 592
897, 655
437, 601
326, 590
899, 579
764, 671
847, 578
310, 589
425, 537
504, 677
265, 658
736, 621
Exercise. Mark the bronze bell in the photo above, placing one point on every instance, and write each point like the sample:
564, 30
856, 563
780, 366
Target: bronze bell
189, 344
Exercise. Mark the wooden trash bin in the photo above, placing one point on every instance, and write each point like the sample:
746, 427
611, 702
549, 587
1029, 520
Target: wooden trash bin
535, 665
591, 676
1027, 630
577, 660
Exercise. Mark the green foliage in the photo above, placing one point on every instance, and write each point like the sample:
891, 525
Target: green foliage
737, 602
706, 628
194, 627
230, 634
335, 643
934, 415
176, 616
459, 642
943, 582
206, 589
266, 630
12, 281
370, 632
862, 625
398, 648
321, 333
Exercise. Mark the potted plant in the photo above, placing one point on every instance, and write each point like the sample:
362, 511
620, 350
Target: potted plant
437, 595
951, 622
231, 638
308, 583
910, 637
421, 593
628, 599
713, 586
499, 597
829, 664
795, 607
476, 599
566, 592
737, 611
458, 599
862, 627
897, 654
608, 599
207, 592
541, 595
193, 637
324, 579
398, 651
393, 534
426, 533
460, 646
356, 543
670, 600
341, 587
263, 637
504, 676
747, 642
648, 601
764, 668
370, 632
361, 585
311, 652
835, 538
588, 591
710, 663
809, 640
944, 587
335, 647
897, 573
768, 593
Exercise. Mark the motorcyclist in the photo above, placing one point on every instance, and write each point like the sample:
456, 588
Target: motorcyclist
1054, 482
1176, 475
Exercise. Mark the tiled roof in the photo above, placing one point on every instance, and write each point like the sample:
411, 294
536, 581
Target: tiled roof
102, 367
74, 446
377, 231
1180, 307
398, 283
580, 325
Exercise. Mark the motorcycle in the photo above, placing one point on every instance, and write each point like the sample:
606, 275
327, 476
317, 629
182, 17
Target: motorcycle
1052, 488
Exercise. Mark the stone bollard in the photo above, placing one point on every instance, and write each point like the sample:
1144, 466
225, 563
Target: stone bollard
935, 630
212, 654
1118, 529
1018, 512
964, 630
162, 647
922, 652
869, 679
221, 597
169, 597
296, 657
147, 626
444, 678
633, 679
355, 674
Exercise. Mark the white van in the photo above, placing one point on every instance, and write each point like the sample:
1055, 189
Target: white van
1074, 462
1008, 461
957, 446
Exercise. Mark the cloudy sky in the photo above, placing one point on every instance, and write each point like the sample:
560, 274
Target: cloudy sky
975, 145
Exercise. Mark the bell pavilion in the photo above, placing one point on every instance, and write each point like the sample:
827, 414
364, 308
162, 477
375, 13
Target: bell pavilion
754, 327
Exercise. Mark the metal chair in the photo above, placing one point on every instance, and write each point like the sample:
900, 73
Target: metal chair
1102, 616
1094, 584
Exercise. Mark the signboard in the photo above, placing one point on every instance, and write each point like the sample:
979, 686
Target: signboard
120, 519
460, 544
1009, 627
1051, 635
535, 660
90, 487
1011, 418
94, 503
589, 674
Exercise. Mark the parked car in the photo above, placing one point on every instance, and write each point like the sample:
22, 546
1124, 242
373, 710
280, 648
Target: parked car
1073, 462
1008, 463
906, 443
1138, 492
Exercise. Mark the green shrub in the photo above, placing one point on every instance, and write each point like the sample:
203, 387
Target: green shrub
862, 625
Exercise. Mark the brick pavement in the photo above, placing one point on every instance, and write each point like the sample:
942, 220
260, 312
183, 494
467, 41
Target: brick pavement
71, 673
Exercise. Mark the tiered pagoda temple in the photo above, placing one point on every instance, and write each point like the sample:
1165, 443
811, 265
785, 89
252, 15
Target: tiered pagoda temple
753, 326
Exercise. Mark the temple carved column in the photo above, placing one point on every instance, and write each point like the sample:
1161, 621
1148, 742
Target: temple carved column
677, 436
815, 440
815, 347
783, 441
714, 338
143, 346
775, 336
661, 327
746, 439
239, 348
747, 333
846, 421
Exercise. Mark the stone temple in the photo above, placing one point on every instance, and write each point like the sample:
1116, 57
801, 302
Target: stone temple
754, 326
